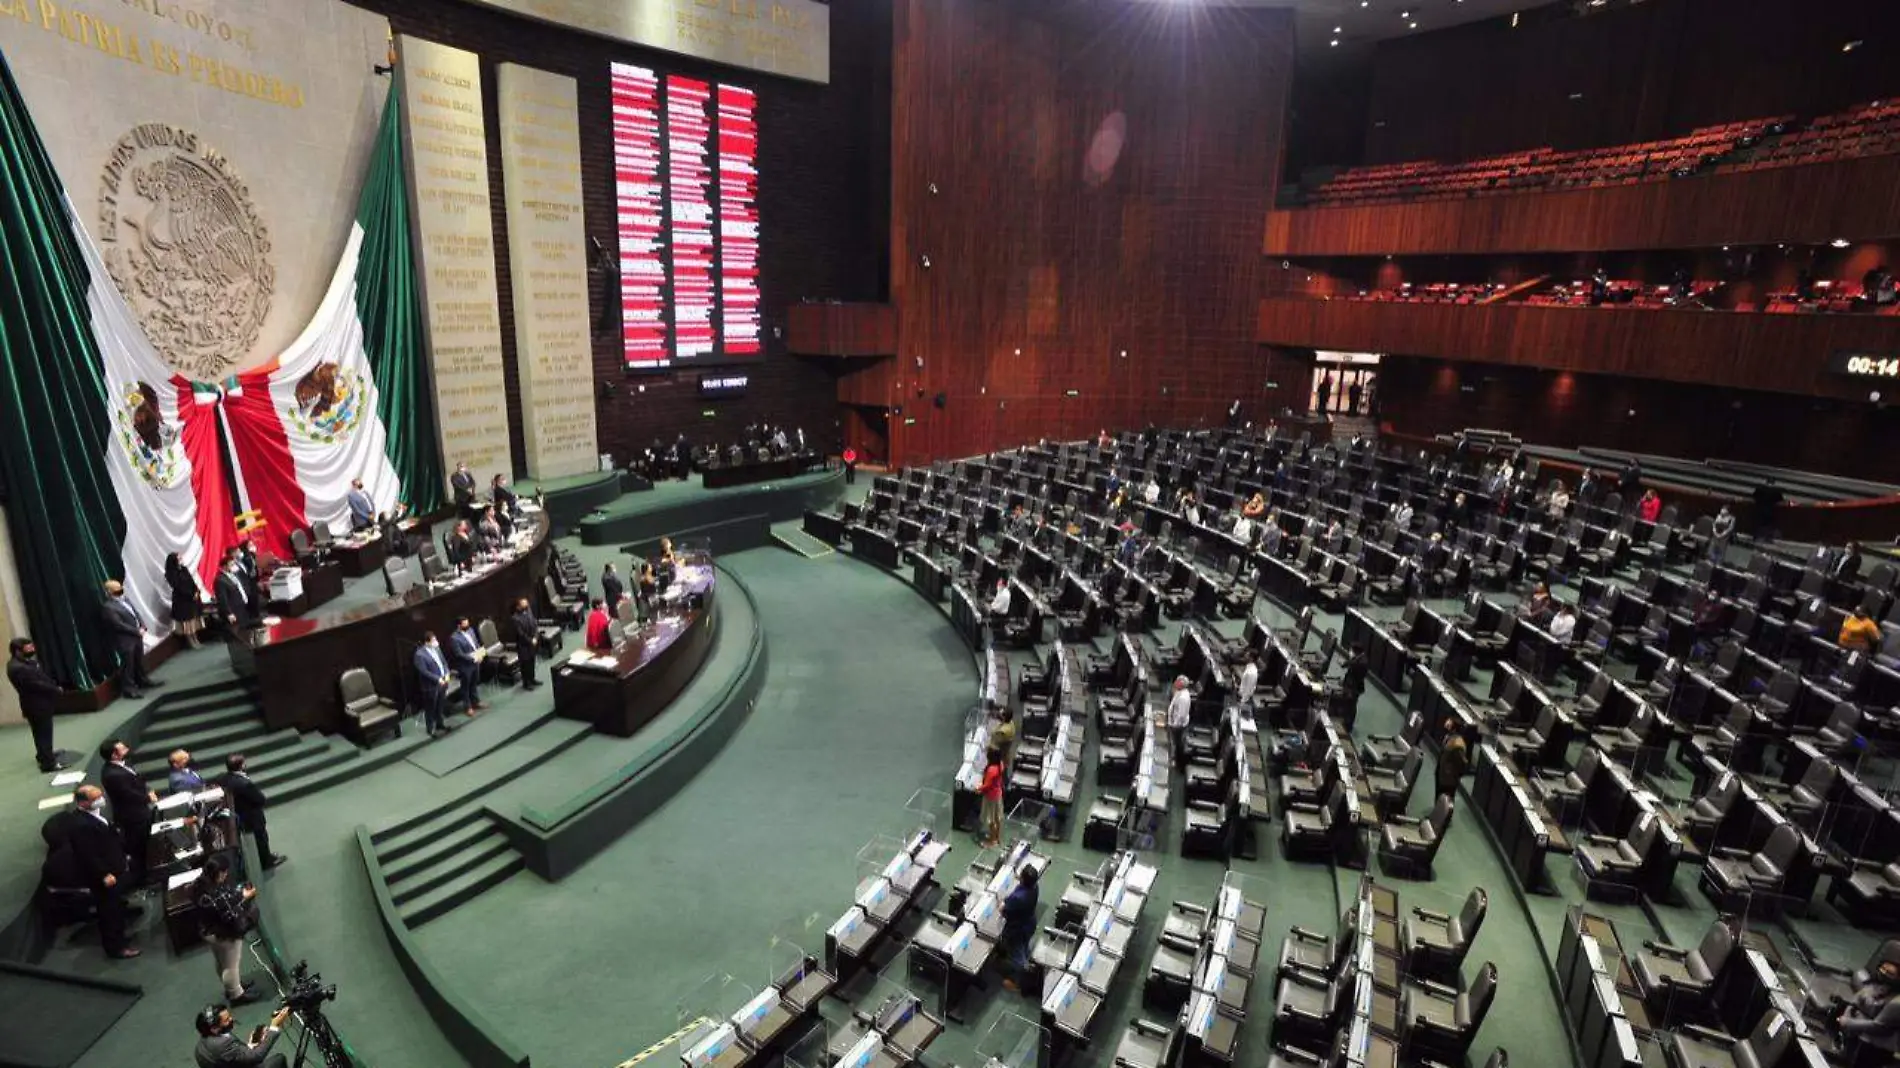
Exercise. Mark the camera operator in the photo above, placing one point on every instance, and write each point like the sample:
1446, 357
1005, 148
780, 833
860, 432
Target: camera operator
218, 1047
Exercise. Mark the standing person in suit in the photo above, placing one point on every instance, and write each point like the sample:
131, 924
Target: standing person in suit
362, 509
527, 632
465, 656
187, 603
131, 802
234, 597
99, 854
488, 533
506, 504
248, 803
247, 571
37, 692
432, 683
459, 547
183, 778
612, 590
128, 640
462, 485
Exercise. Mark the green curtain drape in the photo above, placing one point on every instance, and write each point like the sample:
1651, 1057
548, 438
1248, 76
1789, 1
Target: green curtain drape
389, 303
62, 512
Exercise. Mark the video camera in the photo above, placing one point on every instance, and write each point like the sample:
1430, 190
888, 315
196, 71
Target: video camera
305, 991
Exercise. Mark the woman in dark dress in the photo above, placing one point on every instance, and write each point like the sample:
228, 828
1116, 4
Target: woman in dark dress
188, 608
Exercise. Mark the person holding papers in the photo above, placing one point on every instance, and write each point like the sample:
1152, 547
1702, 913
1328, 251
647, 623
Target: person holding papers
465, 656
362, 509
432, 683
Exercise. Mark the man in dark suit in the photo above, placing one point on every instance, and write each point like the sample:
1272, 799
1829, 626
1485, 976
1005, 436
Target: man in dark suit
131, 802
234, 597
464, 656
611, 588
362, 509
37, 692
128, 640
99, 855
432, 682
248, 802
462, 484
247, 571
507, 506
527, 631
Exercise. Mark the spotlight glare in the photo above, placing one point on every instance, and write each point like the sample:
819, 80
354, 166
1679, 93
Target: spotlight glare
1839, 242
1850, 46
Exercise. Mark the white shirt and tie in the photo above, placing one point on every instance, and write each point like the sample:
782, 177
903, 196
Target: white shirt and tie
1562, 627
1178, 709
1249, 680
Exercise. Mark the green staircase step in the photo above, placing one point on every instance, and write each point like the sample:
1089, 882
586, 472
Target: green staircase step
791, 535
491, 869
421, 854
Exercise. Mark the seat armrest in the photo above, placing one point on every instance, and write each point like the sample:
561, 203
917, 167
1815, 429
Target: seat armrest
1708, 1034
1209, 806
1150, 1028
1301, 806
1428, 914
1305, 976
1183, 906
1405, 821
1385, 738
1436, 989
1304, 935
1731, 853
1664, 949
1601, 840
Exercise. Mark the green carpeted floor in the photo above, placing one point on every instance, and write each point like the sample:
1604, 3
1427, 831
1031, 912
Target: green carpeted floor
695, 908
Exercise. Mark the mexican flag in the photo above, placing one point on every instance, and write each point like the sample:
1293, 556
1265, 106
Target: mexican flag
120, 461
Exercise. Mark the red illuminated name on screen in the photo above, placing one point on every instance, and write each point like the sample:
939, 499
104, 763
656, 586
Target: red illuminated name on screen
738, 220
640, 215
687, 186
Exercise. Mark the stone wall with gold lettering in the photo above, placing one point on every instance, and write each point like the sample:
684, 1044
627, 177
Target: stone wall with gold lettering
547, 266
181, 125
445, 142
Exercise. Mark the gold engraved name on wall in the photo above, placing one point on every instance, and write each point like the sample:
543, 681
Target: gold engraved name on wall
184, 243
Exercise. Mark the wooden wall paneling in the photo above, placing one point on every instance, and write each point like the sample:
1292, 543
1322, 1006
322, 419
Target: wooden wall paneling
1094, 195
1620, 75
840, 329
1778, 352
1842, 436
1811, 204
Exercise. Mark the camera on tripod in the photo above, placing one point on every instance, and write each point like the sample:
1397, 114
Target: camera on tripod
306, 992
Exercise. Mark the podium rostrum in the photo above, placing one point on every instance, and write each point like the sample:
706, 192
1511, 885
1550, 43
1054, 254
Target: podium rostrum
621, 691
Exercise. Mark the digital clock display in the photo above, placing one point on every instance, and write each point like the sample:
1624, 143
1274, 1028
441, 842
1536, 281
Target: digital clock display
1865, 364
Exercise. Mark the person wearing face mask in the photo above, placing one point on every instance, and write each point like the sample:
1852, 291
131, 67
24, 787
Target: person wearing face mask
98, 856
127, 629
218, 1047
131, 807
432, 683
1870, 1021
234, 597
37, 692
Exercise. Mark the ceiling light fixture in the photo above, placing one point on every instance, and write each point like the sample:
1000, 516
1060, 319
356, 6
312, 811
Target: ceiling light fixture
1334, 43
1339, 29
1839, 242
1412, 25
1850, 46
